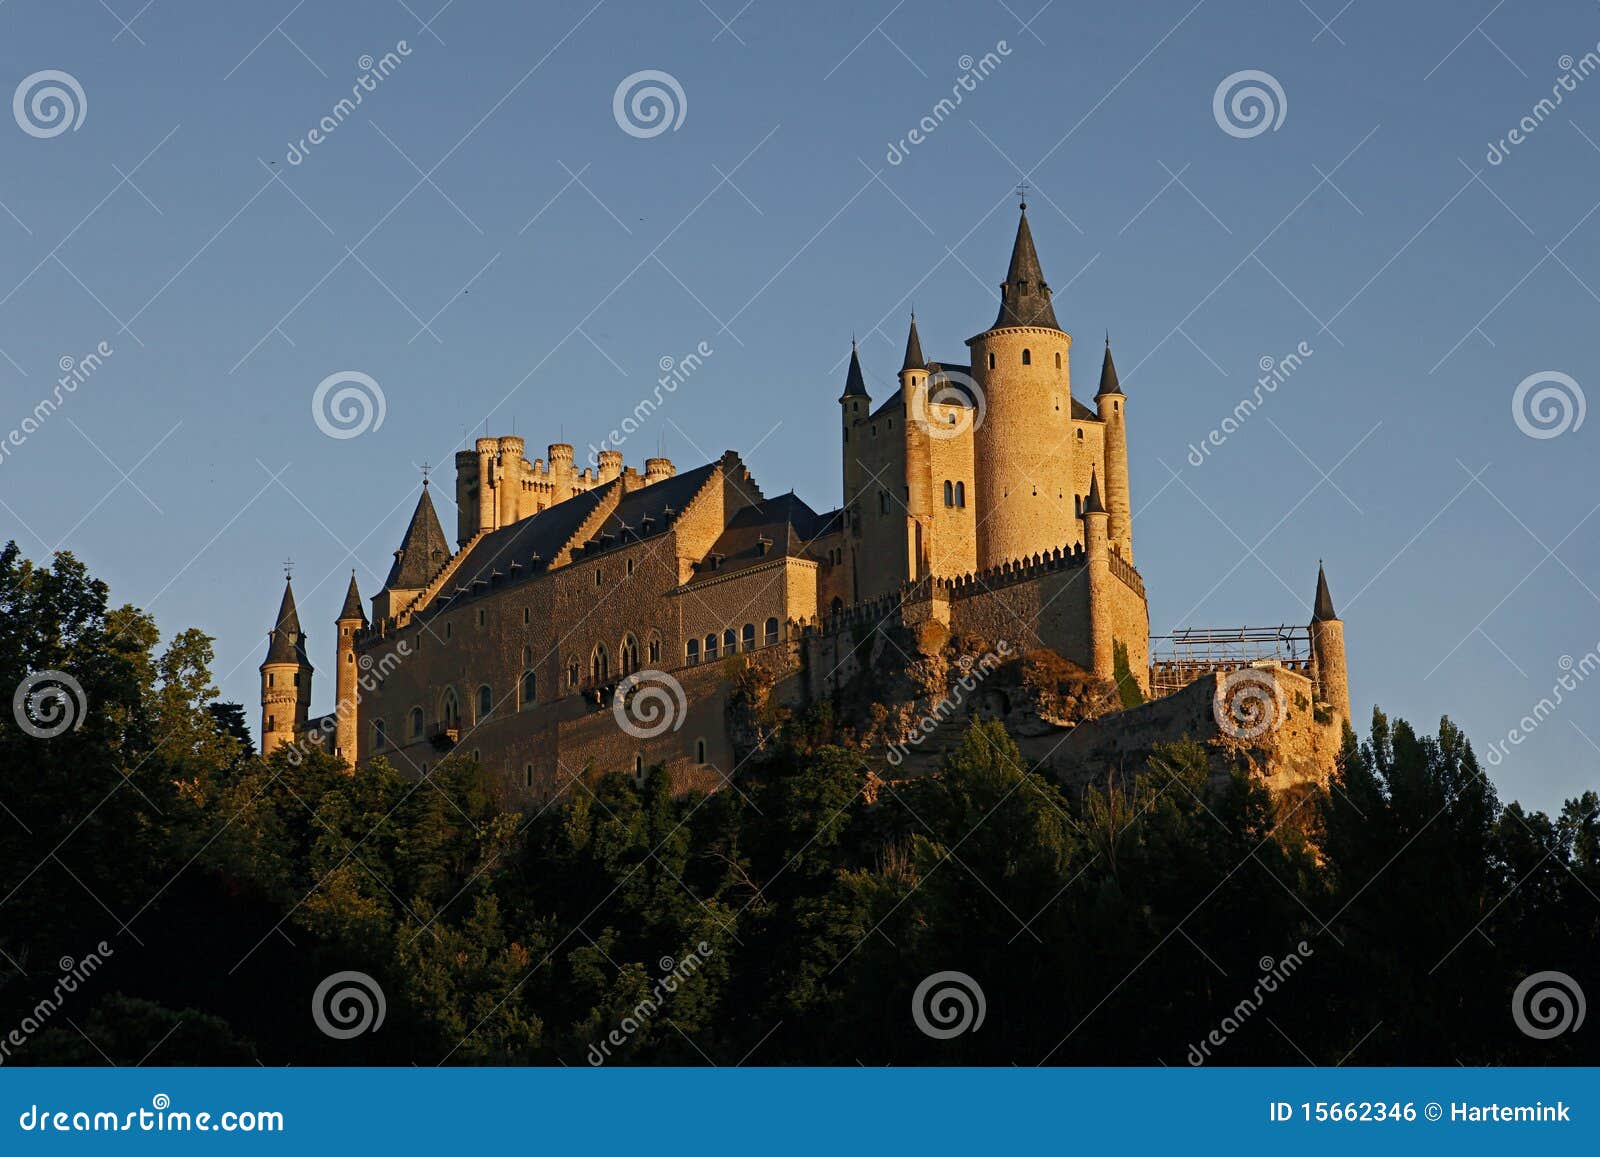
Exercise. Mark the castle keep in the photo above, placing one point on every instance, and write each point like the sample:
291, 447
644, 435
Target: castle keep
981, 501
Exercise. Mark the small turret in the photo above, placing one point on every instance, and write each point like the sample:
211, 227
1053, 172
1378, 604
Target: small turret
1097, 555
351, 621
1327, 650
658, 469
918, 452
609, 464
1109, 401
285, 678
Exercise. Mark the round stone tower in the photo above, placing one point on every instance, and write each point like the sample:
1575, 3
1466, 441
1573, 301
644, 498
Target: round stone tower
657, 469
509, 487
1327, 651
352, 619
285, 679
1022, 443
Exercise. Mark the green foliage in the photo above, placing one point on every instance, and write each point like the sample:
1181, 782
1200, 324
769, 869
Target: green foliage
1122, 674
787, 918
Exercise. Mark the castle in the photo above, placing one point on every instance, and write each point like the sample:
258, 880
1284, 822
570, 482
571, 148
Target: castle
981, 500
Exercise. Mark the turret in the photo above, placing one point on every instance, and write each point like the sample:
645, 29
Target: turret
509, 489
657, 469
918, 448
488, 451
1097, 555
1109, 400
1023, 447
423, 551
609, 464
854, 405
1327, 651
285, 678
562, 474
352, 619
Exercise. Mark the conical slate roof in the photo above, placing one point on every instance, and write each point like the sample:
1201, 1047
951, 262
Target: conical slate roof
422, 551
285, 642
914, 359
1108, 373
352, 603
1024, 296
855, 386
1092, 504
1322, 610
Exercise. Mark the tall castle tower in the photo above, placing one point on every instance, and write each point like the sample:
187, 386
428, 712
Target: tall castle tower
350, 622
1327, 650
1023, 445
918, 452
855, 403
1109, 401
285, 678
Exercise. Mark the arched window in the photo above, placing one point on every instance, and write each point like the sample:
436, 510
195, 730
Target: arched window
772, 631
450, 708
1027, 357
748, 636
485, 702
628, 655
949, 493
272, 723
1058, 361
638, 766
572, 673
415, 728
655, 647
380, 735
991, 361
961, 494
600, 664
691, 651
730, 642
529, 690
527, 775
700, 751
711, 647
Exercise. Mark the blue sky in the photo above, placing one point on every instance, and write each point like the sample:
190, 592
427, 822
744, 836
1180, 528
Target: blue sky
770, 225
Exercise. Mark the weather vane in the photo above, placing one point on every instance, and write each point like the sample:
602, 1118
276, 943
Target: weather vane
1022, 193
426, 469
288, 569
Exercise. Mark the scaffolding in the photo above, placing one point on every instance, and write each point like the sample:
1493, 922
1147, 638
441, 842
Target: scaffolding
1191, 653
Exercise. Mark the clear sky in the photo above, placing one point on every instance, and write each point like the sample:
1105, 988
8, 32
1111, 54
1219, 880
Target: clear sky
483, 239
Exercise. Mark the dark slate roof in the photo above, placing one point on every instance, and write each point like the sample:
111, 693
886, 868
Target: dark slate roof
285, 642
1322, 609
787, 525
855, 386
1079, 410
1024, 296
526, 547
1092, 504
1108, 373
892, 403
423, 550
949, 383
913, 359
352, 603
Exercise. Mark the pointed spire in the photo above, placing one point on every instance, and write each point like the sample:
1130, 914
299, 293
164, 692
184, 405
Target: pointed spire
1108, 373
914, 359
1322, 610
423, 550
1093, 504
286, 642
352, 603
1024, 295
855, 386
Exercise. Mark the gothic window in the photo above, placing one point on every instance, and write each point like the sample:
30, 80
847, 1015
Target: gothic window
711, 647
1027, 357
530, 689
450, 708
730, 642
379, 734
655, 648
771, 636
416, 723
600, 664
485, 702
628, 656
749, 637
692, 651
